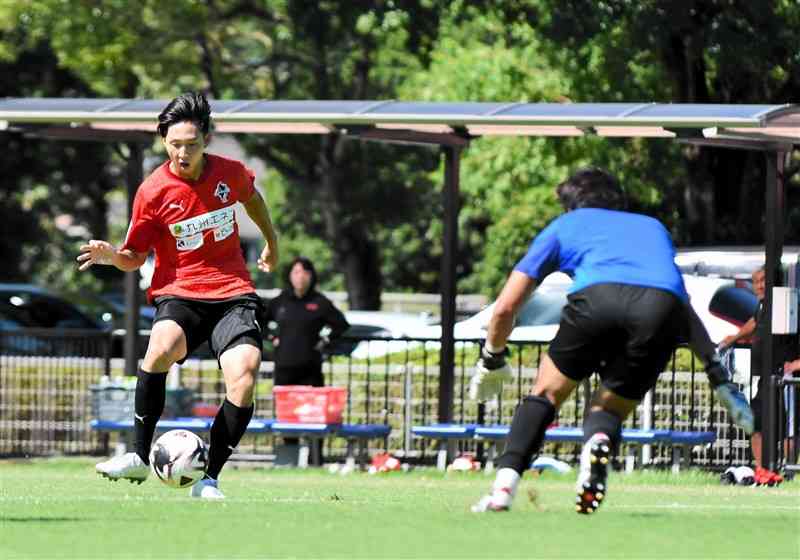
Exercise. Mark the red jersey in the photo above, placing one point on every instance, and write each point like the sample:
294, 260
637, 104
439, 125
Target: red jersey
192, 227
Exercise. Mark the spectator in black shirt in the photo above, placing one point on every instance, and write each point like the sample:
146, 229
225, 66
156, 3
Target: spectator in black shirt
301, 313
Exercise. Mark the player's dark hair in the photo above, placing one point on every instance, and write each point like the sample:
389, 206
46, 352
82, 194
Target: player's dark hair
192, 106
591, 187
306, 263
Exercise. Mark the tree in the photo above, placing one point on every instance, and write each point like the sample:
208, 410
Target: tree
277, 50
508, 184
47, 182
698, 51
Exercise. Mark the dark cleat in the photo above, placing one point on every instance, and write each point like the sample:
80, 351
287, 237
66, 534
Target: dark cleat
593, 474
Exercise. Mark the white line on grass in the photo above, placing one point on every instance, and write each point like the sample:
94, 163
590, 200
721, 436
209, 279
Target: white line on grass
345, 500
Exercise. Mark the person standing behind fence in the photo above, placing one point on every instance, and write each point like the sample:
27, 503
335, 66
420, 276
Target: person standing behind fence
627, 310
301, 313
202, 290
753, 331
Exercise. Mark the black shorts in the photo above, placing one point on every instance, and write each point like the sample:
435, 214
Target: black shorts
757, 404
623, 332
224, 323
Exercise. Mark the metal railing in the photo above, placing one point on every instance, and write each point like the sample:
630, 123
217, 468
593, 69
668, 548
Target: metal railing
45, 404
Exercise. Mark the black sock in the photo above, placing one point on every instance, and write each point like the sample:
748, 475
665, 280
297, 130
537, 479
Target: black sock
530, 422
228, 428
151, 391
602, 422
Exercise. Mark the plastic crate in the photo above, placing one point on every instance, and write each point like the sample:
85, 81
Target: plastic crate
114, 401
306, 404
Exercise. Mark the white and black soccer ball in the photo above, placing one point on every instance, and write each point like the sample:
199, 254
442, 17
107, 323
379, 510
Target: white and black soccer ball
179, 458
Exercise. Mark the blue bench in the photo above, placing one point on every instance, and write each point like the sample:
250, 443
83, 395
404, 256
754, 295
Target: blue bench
445, 435
354, 433
681, 441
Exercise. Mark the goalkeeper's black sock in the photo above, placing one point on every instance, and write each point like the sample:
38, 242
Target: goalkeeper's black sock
151, 392
228, 428
525, 438
602, 422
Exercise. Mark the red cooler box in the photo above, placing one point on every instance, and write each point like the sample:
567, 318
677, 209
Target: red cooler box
304, 403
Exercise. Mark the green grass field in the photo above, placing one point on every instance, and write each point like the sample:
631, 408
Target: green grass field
61, 509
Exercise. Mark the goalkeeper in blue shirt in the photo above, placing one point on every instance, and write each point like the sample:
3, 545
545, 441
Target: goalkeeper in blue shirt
626, 311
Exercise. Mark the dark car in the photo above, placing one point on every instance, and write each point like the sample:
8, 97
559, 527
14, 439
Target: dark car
36, 321
29, 306
109, 309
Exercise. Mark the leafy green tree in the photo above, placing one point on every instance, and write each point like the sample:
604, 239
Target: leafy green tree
50, 187
339, 190
507, 184
697, 51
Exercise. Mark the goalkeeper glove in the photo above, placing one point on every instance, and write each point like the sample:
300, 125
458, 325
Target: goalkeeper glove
490, 373
729, 394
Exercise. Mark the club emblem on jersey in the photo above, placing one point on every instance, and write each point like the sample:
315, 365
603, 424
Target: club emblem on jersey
222, 192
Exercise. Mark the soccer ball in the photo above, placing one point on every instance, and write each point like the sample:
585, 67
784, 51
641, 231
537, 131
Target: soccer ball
179, 458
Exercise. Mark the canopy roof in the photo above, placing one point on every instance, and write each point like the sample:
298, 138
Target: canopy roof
742, 125
772, 128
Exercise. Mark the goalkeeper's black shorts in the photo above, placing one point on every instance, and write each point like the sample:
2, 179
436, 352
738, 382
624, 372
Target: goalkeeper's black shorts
625, 333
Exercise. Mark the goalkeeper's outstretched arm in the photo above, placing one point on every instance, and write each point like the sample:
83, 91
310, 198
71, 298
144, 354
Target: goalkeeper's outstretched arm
699, 340
515, 293
492, 371
719, 377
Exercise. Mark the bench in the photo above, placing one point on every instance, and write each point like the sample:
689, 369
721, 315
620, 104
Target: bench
359, 434
353, 433
445, 433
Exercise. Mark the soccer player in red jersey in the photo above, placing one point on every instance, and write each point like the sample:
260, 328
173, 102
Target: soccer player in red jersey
202, 290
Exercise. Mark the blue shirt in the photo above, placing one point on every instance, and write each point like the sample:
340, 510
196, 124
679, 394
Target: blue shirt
596, 246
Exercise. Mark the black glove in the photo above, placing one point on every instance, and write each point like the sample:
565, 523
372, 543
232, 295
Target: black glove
718, 367
493, 360
717, 374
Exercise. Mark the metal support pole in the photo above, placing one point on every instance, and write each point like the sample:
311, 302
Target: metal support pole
134, 176
448, 275
774, 213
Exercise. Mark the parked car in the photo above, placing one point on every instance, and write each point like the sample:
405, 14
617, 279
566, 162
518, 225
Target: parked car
538, 319
379, 324
27, 306
109, 310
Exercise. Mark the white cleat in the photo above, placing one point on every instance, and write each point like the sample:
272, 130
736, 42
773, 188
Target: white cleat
496, 501
207, 489
128, 467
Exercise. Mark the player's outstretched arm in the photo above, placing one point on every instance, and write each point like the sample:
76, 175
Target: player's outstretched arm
515, 293
257, 210
719, 377
102, 252
492, 371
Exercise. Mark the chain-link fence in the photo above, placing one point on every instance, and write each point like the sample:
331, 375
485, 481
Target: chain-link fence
46, 396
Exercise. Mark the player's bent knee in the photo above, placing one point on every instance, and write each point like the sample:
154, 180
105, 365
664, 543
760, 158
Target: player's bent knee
241, 392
